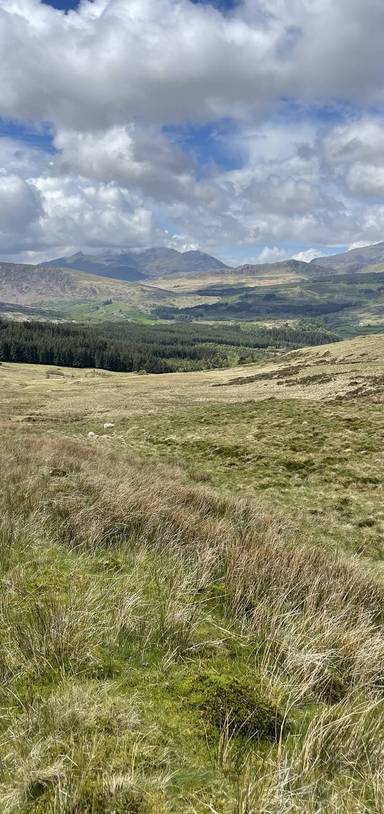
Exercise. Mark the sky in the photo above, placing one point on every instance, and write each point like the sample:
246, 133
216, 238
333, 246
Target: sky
249, 129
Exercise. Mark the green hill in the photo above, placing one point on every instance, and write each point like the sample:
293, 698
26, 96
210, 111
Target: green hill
69, 291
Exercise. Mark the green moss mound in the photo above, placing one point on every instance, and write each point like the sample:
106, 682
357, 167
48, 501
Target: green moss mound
96, 799
93, 796
227, 701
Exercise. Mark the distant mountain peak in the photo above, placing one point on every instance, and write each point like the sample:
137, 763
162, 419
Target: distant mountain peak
355, 259
133, 265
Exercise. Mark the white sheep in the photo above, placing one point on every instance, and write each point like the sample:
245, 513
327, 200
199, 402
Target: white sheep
91, 435
108, 426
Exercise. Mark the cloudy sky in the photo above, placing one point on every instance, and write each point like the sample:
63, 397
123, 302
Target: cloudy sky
251, 129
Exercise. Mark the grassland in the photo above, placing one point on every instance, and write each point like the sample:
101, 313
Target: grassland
304, 431
192, 600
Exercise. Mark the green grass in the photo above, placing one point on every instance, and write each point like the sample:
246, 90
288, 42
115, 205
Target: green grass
321, 461
96, 671
154, 660
191, 614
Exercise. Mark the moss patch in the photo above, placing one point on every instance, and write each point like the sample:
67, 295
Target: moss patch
227, 701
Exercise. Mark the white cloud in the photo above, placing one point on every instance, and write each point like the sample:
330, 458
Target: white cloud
360, 244
108, 77
366, 180
50, 214
153, 60
272, 255
20, 208
173, 60
307, 255
356, 151
360, 140
20, 159
105, 213
131, 156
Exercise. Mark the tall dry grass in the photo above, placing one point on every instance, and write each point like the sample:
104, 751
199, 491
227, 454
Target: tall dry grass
313, 620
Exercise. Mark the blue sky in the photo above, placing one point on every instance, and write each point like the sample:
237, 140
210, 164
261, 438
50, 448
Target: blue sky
66, 5
63, 5
214, 125
40, 138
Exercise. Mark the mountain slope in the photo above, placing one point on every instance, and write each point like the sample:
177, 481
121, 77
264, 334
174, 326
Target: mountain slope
291, 268
250, 276
22, 284
140, 265
354, 260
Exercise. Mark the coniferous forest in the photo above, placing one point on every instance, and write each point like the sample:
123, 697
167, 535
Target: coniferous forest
160, 348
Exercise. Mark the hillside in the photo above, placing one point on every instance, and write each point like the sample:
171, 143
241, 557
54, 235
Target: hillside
140, 264
80, 295
290, 268
348, 304
150, 348
353, 261
262, 274
191, 618
344, 301
64, 290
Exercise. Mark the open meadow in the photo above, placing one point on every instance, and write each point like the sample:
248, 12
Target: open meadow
192, 598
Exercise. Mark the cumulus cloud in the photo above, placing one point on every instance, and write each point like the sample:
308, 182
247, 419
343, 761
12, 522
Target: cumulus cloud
131, 156
173, 60
356, 153
360, 244
20, 159
272, 255
308, 254
52, 212
360, 140
104, 213
366, 180
109, 79
20, 208
151, 60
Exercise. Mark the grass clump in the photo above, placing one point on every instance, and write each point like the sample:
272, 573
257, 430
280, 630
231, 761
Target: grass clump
96, 797
237, 705
74, 751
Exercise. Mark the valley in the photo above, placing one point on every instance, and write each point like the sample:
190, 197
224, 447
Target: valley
347, 297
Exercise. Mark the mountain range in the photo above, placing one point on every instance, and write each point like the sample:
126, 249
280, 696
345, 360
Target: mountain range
134, 266
161, 262
164, 283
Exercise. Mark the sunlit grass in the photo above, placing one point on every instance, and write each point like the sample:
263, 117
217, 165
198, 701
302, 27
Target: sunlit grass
142, 618
183, 629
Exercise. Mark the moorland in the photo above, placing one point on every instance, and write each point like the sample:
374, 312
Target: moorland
192, 595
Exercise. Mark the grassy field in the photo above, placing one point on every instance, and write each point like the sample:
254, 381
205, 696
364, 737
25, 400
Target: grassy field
304, 431
192, 605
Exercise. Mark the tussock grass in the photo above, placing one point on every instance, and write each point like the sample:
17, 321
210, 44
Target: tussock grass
123, 589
